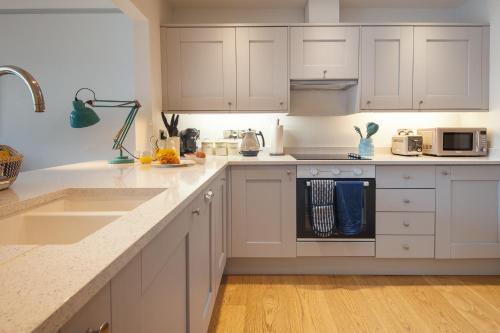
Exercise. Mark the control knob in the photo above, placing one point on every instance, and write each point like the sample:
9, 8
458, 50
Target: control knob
314, 171
357, 172
335, 171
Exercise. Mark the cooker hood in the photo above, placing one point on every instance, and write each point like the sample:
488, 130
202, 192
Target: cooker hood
324, 84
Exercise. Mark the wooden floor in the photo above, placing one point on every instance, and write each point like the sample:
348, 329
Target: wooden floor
358, 304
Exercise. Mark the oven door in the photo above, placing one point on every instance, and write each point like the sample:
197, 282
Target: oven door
304, 214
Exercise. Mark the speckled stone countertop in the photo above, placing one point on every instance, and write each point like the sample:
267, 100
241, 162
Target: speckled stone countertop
41, 287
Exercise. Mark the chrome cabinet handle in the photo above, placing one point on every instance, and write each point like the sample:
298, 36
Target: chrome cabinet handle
104, 328
324, 73
209, 195
196, 211
406, 247
406, 201
406, 224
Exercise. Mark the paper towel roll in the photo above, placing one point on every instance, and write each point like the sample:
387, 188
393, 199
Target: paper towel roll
277, 143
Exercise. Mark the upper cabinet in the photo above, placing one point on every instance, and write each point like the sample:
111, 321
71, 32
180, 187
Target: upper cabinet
451, 68
262, 69
324, 52
201, 68
225, 69
386, 68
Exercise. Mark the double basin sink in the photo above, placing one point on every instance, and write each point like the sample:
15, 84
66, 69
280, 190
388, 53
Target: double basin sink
72, 216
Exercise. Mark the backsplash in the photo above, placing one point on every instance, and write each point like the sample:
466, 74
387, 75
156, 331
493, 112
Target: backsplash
303, 131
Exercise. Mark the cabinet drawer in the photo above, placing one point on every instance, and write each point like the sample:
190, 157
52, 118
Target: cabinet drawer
406, 176
405, 223
411, 200
404, 246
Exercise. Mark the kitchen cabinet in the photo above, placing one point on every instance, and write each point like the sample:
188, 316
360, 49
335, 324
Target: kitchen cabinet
451, 68
95, 316
199, 67
219, 227
467, 212
324, 52
387, 68
263, 211
262, 68
201, 273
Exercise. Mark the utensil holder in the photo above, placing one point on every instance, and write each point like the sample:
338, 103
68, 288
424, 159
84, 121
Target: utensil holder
366, 147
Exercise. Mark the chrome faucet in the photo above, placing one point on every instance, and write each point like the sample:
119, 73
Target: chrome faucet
34, 87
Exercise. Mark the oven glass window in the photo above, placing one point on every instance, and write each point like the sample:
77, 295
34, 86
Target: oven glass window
457, 141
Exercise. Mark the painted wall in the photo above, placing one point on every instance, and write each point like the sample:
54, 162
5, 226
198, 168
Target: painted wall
64, 52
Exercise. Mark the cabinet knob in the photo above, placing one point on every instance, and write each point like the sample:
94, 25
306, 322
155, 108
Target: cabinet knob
324, 73
230, 104
368, 102
406, 247
196, 211
209, 195
406, 177
421, 102
282, 103
445, 173
104, 328
289, 172
406, 224
406, 201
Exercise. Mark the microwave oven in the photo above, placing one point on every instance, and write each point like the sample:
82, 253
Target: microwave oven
454, 141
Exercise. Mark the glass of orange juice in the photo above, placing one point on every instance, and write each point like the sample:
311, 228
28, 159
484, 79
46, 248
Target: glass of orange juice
145, 157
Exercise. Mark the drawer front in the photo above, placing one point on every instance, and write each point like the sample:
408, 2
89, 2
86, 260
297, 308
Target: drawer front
406, 176
411, 200
404, 246
405, 223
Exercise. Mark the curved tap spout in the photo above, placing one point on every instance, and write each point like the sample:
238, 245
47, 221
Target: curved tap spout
34, 87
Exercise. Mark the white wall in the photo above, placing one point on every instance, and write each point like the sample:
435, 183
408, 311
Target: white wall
64, 52
489, 11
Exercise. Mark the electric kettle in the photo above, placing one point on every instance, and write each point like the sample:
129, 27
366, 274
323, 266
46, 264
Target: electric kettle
250, 145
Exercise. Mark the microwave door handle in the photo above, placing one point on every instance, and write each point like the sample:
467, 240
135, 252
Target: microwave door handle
478, 139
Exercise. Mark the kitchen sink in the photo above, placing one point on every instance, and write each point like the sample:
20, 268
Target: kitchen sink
74, 215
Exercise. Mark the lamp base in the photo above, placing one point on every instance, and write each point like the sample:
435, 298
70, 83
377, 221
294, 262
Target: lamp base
121, 160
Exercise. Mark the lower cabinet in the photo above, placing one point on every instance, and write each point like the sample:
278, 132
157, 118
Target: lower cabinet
263, 211
467, 212
172, 284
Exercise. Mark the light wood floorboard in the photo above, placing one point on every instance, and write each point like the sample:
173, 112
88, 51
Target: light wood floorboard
344, 304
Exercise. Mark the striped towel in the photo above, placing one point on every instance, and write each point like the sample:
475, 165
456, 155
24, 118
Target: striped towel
323, 209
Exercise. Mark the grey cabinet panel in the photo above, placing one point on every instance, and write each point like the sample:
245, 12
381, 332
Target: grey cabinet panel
263, 211
467, 212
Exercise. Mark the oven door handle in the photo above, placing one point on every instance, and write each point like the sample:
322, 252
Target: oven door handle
365, 184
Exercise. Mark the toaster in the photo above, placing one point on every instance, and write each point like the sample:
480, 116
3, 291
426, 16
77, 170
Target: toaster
407, 144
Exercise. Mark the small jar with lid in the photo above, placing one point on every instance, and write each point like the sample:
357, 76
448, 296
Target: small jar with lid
221, 148
208, 147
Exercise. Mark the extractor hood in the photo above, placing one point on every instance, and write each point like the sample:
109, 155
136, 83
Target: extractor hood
325, 84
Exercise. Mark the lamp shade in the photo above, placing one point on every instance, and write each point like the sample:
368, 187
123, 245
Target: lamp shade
82, 116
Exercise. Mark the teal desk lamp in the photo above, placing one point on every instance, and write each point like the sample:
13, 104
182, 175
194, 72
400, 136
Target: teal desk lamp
85, 116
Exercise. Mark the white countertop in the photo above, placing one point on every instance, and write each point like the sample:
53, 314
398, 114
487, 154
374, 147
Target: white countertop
43, 286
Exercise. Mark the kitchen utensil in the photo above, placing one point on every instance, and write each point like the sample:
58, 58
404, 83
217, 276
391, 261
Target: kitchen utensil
371, 129
189, 138
250, 145
172, 126
358, 130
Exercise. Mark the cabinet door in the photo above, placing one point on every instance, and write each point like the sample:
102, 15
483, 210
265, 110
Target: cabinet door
448, 68
263, 212
94, 315
201, 68
467, 212
262, 72
387, 68
201, 275
324, 52
219, 218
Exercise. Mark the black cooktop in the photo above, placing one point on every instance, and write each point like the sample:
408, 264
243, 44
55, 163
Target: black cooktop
328, 157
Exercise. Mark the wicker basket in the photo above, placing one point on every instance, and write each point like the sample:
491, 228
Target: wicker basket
10, 165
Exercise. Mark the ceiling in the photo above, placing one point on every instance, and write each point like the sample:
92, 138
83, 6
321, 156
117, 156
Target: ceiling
301, 3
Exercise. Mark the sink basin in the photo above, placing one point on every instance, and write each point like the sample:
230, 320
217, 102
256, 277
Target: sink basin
77, 214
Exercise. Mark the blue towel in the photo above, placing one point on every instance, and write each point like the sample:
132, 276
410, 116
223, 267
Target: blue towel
350, 202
